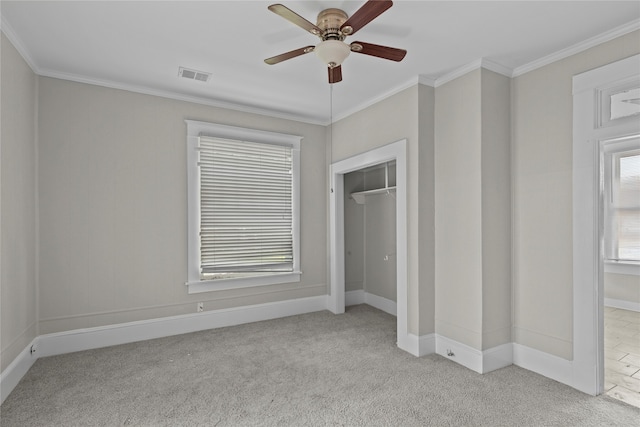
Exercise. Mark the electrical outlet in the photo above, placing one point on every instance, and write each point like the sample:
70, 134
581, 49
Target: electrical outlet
200, 307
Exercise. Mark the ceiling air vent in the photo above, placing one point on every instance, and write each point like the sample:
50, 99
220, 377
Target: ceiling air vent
194, 74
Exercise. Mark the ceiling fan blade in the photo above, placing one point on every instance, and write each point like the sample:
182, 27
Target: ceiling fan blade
294, 18
367, 13
384, 52
288, 55
335, 74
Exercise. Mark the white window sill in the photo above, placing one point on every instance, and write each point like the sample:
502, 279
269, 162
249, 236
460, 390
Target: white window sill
622, 267
198, 286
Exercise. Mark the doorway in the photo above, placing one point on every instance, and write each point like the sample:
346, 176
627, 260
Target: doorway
370, 237
336, 302
596, 124
621, 251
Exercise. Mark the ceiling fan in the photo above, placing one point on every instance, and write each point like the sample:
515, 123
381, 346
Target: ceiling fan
333, 25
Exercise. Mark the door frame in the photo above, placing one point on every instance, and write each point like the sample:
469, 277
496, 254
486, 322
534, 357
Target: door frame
590, 134
336, 299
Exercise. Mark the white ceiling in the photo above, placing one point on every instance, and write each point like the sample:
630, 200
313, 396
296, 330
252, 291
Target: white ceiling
140, 45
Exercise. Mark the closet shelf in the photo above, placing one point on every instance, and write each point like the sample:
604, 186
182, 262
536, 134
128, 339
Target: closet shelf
360, 196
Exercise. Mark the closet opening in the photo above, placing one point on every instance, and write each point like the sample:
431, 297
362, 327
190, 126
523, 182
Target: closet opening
376, 163
370, 236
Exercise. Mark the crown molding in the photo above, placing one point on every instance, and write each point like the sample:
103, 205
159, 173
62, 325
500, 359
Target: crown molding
490, 65
478, 63
578, 47
409, 83
315, 120
458, 72
8, 31
6, 28
427, 81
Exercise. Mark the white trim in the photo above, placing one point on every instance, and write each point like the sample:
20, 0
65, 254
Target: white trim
478, 63
545, 364
17, 369
381, 97
196, 129
427, 81
104, 336
542, 363
587, 222
418, 346
621, 267
8, 31
474, 359
625, 305
434, 82
381, 303
336, 299
497, 357
123, 333
606, 75
354, 297
458, 72
362, 297
409, 343
427, 344
199, 286
181, 97
577, 48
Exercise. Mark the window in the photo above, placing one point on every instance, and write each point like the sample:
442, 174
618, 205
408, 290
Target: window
622, 207
243, 207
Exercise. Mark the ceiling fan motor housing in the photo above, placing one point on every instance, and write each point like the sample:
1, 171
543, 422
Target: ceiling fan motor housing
330, 21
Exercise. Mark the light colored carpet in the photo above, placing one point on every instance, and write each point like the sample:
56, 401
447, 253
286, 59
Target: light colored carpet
311, 370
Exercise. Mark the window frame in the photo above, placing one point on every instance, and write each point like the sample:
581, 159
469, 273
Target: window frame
613, 150
196, 129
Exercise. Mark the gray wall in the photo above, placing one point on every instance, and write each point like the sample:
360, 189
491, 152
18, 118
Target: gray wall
111, 196
370, 234
112, 202
354, 233
496, 209
380, 232
542, 117
473, 210
458, 173
18, 222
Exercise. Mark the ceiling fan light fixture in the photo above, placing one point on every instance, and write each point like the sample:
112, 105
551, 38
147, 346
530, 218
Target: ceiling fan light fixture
332, 52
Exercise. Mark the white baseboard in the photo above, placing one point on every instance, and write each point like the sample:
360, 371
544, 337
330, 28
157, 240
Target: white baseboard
459, 353
362, 297
542, 363
12, 375
497, 357
426, 344
418, 345
625, 305
84, 339
354, 297
104, 336
474, 359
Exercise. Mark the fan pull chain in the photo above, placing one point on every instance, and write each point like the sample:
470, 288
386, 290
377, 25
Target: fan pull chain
330, 132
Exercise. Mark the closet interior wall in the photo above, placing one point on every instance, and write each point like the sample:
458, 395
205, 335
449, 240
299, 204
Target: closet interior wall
370, 232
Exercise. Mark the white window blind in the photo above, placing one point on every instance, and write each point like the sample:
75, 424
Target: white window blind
626, 207
246, 220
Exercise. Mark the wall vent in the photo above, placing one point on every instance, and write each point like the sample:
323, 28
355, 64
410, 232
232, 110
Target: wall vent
194, 74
